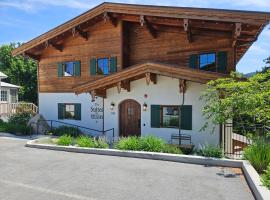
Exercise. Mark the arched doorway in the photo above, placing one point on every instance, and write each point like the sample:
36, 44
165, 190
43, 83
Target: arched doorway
130, 118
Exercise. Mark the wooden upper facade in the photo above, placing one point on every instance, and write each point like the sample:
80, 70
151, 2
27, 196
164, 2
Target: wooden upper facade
136, 35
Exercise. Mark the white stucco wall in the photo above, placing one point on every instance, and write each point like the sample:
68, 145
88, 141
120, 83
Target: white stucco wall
165, 92
48, 107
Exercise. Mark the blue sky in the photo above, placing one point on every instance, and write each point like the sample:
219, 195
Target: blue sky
22, 20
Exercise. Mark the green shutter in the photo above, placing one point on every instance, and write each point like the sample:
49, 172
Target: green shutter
193, 61
60, 69
61, 107
77, 68
186, 117
113, 64
93, 66
222, 62
155, 116
78, 111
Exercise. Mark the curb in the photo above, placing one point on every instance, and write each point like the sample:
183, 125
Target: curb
253, 179
141, 154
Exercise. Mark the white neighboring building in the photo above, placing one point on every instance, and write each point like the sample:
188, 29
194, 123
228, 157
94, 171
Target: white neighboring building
8, 97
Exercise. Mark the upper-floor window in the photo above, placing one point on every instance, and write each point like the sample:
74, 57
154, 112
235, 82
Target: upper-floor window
215, 61
103, 66
3, 95
207, 61
69, 69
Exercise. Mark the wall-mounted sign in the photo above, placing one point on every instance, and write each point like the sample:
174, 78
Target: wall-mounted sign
96, 111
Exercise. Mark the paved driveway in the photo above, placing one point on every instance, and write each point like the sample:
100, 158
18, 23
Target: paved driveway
35, 174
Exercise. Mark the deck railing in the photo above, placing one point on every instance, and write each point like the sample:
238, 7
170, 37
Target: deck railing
7, 109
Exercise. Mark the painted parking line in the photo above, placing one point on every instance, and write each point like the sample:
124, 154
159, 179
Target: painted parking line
44, 190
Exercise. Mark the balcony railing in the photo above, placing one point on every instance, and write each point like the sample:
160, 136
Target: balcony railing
7, 109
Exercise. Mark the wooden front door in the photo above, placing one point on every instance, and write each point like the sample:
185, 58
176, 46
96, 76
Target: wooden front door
130, 118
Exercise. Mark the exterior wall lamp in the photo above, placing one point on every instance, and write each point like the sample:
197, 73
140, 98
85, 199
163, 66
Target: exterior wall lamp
112, 106
144, 107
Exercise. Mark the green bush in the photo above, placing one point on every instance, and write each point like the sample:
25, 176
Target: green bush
102, 143
258, 154
66, 130
128, 143
171, 149
151, 143
20, 118
65, 140
86, 141
266, 177
211, 151
17, 129
147, 143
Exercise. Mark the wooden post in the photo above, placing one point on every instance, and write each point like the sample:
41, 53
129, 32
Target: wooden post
93, 95
182, 86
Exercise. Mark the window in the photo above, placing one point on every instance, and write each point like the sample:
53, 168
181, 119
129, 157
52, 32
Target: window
3, 95
167, 116
69, 111
170, 116
207, 61
103, 66
13, 95
68, 68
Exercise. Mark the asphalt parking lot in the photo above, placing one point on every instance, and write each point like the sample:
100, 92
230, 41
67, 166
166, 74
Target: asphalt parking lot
27, 173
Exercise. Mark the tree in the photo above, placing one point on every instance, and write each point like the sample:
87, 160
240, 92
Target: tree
21, 71
247, 100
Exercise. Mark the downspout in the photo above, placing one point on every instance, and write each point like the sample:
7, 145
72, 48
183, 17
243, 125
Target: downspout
103, 117
180, 107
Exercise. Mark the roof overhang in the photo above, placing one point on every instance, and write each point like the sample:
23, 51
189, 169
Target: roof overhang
215, 19
149, 71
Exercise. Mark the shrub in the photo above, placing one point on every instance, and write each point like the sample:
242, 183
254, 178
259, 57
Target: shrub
66, 130
18, 129
258, 154
86, 141
171, 149
266, 177
151, 143
102, 143
128, 143
211, 151
20, 118
65, 140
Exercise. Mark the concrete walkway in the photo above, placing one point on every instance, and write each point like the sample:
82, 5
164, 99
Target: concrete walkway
27, 173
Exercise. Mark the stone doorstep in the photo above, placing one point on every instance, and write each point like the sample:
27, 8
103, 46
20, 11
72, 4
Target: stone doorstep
252, 177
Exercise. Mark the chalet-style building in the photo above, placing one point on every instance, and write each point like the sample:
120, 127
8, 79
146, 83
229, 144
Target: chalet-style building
130, 67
